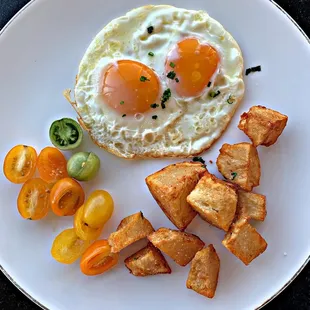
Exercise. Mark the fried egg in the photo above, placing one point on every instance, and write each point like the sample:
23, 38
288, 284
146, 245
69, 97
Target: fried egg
159, 82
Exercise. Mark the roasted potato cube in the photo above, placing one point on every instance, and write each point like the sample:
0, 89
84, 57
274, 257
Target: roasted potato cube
204, 272
244, 241
180, 246
240, 164
170, 187
263, 126
215, 201
131, 229
251, 206
147, 262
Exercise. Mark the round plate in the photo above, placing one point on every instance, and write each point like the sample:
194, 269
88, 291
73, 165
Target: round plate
40, 52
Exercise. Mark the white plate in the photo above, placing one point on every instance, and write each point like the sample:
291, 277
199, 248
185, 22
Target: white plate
39, 55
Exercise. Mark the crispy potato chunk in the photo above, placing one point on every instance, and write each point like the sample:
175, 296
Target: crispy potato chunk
204, 272
215, 201
180, 246
170, 187
240, 164
263, 126
251, 206
131, 229
244, 241
147, 262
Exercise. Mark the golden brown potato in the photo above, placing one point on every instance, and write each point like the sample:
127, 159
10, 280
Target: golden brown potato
215, 201
204, 272
170, 187
180, 246
239, 163
147, 262
131, 229
244, 241
263, 126
251, 206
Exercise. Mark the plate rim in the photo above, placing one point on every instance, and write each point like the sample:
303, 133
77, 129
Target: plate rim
39, 304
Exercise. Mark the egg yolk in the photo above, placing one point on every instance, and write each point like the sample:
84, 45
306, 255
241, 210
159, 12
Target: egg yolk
194, 65
130, 87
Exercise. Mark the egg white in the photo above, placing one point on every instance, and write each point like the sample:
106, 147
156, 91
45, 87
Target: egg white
187, 126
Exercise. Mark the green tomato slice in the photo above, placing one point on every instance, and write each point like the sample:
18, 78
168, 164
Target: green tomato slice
66, 134
83, 166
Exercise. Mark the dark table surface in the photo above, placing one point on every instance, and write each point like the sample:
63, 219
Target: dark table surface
296, 296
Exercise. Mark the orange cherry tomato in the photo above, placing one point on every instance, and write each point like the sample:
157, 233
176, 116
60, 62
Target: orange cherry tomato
98, 258
33, 199
83, 230
20, 164
52, 165
67, 195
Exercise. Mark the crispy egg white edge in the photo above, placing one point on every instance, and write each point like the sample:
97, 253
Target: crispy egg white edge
171, 142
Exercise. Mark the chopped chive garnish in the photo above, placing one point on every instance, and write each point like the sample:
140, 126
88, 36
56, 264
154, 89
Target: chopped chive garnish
209, 84
143, 78
234, 174
154, 105
151, 54
253, 69
150, 29
123, 115
165, 97
177, 80
171, 75
154, 117
231, 99
172, 65
200, 159
122, 102
214, 94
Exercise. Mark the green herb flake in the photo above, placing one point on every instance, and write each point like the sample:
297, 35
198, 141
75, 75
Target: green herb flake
234, 175
122, 102
214, 94
165, 97
171, 75
209, 84
154, 117
154, 105
124, 115
231, 99
172, 64
253, 69
200, 159
151, 54
177, 80
150, 29
143, 78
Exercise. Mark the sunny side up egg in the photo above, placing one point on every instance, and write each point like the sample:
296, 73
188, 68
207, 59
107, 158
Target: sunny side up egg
159, 82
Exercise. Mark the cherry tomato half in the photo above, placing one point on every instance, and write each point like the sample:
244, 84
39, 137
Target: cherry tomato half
98, 209
68, 247
33, 199
20, 164
98, 258
82, 229
67, 195
52, 165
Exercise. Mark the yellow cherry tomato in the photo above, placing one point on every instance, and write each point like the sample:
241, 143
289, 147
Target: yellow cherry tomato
98, 209
20, 164
82, 230
68, 247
